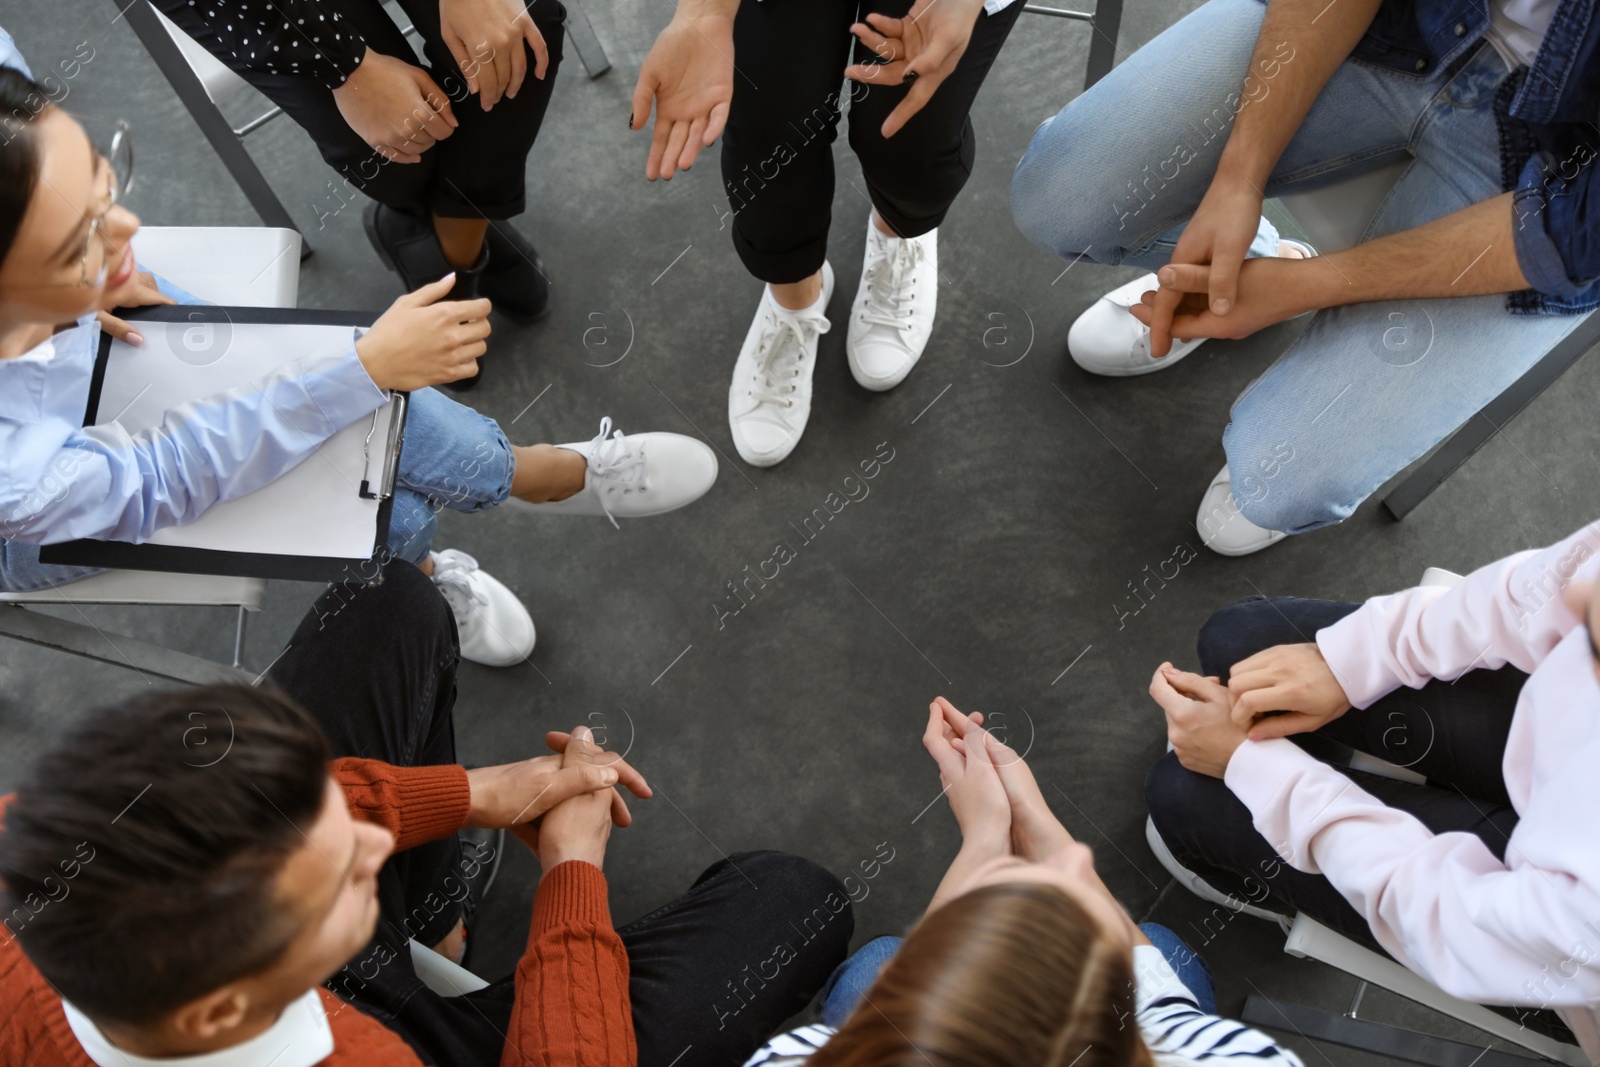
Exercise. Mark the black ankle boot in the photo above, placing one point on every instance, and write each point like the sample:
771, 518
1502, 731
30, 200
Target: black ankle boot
516, 280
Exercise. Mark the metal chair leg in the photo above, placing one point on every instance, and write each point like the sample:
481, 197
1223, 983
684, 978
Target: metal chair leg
590, 52
1478, 430
164, 50
238, 637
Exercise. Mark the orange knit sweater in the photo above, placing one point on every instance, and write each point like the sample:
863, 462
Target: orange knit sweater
572, 1004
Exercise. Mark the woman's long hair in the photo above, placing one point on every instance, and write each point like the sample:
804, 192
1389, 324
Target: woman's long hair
22, 101
1015, 975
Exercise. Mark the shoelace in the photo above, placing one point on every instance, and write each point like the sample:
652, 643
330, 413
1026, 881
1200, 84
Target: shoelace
452, 571
618, 461
889, 295
779, 354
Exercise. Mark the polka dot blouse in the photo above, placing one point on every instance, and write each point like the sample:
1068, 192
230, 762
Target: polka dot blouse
308, 37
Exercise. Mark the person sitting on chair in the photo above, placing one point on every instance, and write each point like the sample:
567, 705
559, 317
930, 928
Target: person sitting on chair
1485, 879
65, 255
440, 149
183, 871
1023, 956
1477, 263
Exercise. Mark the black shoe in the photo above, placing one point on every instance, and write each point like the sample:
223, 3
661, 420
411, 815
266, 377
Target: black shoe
408, 246
515, 279
480, 862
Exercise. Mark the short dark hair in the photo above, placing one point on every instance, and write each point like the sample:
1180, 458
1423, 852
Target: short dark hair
22, 101
140, 857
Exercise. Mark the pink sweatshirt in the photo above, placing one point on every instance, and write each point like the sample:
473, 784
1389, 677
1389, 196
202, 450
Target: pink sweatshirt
1526, 931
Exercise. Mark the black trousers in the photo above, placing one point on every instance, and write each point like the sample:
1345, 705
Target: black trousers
719, 968
1454, 733
777, 149
476, 172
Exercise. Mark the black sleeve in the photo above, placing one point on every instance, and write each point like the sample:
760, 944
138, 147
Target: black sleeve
308, 37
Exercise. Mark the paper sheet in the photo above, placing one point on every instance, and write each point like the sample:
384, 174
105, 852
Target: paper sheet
314, 510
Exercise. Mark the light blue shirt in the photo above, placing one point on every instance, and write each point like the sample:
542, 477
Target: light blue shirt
61, 480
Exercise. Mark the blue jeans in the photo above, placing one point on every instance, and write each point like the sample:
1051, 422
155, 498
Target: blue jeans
453, 458
855, 975
1368, 388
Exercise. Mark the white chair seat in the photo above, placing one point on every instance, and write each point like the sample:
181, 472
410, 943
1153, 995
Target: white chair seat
151, 587
1334, 216
241, 266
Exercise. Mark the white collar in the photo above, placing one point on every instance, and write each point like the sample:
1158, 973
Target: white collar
301, 1037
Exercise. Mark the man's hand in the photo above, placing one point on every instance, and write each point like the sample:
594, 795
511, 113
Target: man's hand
515, 793
921, 49
486, 37
395, 107
1213, 246
688, 77
140, 292
1268, 290
579, 827
1199, 721
1292, 679
425, 340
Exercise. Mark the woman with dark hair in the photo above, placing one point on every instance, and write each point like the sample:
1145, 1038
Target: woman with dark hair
65, 259
1023, 958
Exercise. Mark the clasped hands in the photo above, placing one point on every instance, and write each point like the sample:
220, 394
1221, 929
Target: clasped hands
1209, 288
1282, 690
562, 806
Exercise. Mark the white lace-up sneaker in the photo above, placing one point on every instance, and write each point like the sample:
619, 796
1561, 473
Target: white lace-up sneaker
893, 313
769, 401
631, 477
1222, 526
1108, 340
493, 626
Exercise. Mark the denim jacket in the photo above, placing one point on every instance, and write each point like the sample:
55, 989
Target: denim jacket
1548, 137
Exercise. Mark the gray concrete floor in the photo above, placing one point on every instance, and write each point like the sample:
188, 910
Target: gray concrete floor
992, 564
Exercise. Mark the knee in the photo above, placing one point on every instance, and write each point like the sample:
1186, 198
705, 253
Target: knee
1048, 204
811, 895
1233, 633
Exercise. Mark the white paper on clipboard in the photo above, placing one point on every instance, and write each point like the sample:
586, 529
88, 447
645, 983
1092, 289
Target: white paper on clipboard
316, 509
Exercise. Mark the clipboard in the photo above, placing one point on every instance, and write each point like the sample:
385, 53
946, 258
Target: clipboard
318, 512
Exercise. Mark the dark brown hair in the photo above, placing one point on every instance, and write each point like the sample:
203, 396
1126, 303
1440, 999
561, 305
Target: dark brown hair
140, 857
22, 101
1005, 975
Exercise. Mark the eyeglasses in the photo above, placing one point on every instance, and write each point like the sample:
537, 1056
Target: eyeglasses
119, 165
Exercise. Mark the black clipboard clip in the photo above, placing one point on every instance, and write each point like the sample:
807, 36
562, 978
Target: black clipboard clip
396, 420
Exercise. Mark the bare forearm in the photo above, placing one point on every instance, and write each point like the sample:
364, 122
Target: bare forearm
1302, 42
692, 9
1467, 253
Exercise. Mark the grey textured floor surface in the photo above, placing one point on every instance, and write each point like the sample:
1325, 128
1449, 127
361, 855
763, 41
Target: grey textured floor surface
991, 562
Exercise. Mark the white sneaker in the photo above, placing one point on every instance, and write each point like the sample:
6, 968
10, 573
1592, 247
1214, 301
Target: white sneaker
769, 401
635, 477
1108, 340
493, 626
1223, 527
893, 313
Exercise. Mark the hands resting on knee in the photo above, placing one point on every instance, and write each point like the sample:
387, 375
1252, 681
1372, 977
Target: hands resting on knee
1282, 690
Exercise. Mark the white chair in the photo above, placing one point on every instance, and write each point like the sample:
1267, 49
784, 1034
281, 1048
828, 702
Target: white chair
206, 85
249, 267
1309, 939
1335, 217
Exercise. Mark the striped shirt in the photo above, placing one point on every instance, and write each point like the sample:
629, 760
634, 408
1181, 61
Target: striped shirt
1176, 1031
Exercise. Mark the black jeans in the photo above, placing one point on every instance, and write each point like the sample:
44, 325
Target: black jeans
376, 665
1454, 733
476, 172
777, 150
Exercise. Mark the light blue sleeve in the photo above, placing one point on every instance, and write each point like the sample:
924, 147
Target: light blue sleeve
61, 482
9, 56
